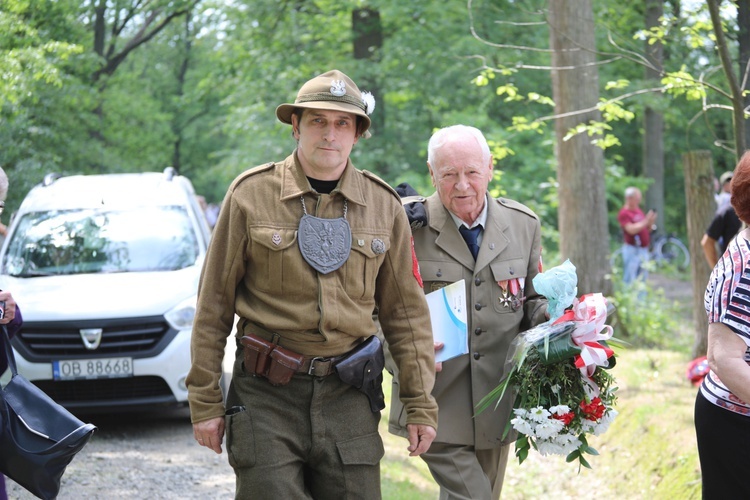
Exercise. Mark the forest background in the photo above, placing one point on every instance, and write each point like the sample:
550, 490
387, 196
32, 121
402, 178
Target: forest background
578, 99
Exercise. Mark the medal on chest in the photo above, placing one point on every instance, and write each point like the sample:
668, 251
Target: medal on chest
512, 295
325, 244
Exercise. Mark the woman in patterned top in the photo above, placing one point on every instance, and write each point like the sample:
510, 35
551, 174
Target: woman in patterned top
722, 406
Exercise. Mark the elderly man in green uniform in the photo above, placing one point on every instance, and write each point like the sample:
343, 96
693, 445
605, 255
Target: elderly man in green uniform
302, 253
493, 244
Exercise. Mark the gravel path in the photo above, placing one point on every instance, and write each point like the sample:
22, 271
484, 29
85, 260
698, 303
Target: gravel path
143, 456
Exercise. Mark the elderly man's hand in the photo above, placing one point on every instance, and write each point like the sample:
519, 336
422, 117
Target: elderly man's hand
420, 438
438, 364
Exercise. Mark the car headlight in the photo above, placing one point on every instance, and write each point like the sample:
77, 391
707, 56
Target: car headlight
181, 316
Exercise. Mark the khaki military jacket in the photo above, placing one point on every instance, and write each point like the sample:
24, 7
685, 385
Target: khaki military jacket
254, 269
509, 257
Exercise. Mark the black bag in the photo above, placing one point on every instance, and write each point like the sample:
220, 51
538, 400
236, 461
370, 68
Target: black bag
38, 437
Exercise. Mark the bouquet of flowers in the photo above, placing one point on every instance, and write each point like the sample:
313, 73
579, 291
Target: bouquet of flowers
559, 372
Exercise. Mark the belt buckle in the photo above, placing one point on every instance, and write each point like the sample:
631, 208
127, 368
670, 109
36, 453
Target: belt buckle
311, 370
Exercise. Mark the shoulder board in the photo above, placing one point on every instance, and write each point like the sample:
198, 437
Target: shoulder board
514, 205
406, 200
250, 172
380, 181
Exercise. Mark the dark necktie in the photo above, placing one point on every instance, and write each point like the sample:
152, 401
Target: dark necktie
470, 236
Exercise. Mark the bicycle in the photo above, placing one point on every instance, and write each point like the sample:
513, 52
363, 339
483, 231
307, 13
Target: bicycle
665, 251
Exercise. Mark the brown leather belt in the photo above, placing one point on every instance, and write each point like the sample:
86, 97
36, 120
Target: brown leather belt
317, 366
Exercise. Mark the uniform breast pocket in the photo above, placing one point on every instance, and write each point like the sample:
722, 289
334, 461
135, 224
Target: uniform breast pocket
437, 275
273, 256
365, 259
509, 289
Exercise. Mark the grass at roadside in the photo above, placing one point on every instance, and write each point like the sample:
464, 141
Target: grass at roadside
649, 451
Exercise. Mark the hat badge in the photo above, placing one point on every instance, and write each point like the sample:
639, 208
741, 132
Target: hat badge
338, 88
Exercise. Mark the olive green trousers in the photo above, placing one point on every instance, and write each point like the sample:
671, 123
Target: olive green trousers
465, 473
312, 438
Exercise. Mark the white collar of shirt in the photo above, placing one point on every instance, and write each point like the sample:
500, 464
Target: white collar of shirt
481, 220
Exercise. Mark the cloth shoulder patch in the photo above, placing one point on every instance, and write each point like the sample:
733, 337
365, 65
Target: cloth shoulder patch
519, 207
415, 265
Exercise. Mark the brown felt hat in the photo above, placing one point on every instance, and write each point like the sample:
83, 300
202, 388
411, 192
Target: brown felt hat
333, 91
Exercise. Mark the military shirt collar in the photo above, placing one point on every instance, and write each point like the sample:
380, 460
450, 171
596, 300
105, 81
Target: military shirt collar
295, 184
480, 221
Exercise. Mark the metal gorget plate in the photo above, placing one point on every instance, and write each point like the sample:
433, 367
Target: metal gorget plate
324, 243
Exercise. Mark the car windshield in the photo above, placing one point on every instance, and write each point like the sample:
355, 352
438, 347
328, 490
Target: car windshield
98, 241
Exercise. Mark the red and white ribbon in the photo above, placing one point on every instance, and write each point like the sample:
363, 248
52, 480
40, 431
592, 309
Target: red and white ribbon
589, 314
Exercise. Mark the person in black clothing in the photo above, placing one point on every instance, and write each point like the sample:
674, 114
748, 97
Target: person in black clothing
724, 226
11, 316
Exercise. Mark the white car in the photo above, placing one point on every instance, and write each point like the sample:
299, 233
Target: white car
105, 269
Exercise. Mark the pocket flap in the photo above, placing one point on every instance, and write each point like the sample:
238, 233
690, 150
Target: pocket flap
363, 450
274, 238
508, 269
449, 272
369, 245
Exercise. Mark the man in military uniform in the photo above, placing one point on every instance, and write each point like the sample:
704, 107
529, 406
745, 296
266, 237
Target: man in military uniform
468, 456
303, 251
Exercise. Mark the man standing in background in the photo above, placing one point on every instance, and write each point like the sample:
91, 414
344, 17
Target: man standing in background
724, 226
636, 232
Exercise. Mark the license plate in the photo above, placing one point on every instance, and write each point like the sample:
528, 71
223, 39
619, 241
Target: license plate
71, 369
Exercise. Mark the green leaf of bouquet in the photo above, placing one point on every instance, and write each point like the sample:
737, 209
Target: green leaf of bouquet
589, 450
584, 462
522, 443
495, 395
618, 343
573, 455
522, 455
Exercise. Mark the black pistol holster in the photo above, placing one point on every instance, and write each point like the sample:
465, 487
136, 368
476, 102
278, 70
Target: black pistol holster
362, 368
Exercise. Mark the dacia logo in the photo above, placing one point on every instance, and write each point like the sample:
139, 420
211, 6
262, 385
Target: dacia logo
91, 337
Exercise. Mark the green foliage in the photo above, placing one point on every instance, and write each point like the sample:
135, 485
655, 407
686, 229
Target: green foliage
202, 93
645, 317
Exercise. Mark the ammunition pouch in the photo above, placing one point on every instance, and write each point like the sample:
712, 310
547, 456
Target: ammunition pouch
269, 360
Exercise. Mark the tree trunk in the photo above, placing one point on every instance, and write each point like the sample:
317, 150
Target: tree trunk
582, 214
653, 121
699, 190
368, 42
743, 36
738, 114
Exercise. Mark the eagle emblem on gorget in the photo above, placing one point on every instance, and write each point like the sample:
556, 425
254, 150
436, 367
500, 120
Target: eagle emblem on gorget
324, 243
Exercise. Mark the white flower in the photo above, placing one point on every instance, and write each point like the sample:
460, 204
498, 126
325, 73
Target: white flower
587, 426
549, 428
538, 414
369, 100
556, 388
520, 412
522, 426
603, 425
559, 409
568, 442
549, 448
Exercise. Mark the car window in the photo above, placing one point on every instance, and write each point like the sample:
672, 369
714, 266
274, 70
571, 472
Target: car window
142, 239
